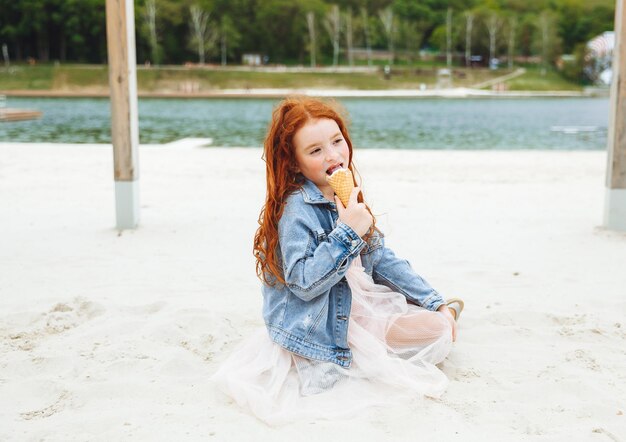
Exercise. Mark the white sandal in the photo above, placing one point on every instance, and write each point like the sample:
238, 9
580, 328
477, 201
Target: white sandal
457, 305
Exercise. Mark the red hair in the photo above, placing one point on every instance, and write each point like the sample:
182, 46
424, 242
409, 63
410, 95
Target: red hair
282, 178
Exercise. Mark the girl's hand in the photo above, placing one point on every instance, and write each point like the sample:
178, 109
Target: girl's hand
355, 215
450, 317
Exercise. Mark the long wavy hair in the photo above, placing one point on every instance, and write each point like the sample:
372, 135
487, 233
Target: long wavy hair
283, 179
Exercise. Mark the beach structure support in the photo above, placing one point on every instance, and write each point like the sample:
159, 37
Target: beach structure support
120, 19
615, 199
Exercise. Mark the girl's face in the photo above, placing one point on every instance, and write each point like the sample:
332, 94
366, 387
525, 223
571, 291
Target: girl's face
320, 148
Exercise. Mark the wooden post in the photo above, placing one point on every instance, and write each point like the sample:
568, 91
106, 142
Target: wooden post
615, 201
120, 18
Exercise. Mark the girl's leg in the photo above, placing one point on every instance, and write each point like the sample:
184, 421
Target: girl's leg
417, 328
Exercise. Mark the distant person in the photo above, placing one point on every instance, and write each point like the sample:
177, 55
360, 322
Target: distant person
348, 324
387, 72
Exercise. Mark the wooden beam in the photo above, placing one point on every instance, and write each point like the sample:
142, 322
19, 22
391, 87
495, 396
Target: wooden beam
615, 202
120, 19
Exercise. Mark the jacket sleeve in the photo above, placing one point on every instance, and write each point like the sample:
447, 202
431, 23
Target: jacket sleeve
398, 275
311, 270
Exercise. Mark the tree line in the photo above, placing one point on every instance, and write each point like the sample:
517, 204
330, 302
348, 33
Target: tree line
308, 32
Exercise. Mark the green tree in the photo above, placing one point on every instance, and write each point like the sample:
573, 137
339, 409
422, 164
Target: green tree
74, 30
229, 38
81, 30
34, 21
284, 25
547, 41
199, 26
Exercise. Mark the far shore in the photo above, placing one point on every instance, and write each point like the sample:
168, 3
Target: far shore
340, 93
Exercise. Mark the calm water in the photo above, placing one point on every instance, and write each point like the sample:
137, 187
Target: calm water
377, 123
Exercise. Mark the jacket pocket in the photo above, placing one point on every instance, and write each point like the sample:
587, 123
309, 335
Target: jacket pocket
322, 314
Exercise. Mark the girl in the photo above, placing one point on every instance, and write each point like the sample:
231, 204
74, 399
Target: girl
348, 324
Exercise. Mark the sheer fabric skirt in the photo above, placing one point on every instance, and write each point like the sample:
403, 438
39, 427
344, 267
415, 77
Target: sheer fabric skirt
395, 346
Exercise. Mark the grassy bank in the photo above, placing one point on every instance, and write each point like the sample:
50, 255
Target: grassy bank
534, 80
94, 78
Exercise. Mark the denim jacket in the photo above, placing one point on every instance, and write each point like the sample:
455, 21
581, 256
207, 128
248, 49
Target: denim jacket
309, 316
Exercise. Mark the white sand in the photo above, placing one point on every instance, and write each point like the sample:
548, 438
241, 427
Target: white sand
107, 336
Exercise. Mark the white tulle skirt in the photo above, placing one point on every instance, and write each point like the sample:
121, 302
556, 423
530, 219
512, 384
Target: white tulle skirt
395, 346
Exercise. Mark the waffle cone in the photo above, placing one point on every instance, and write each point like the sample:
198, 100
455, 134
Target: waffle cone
342, 183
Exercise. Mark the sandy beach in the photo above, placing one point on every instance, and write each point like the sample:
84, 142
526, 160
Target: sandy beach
108, 335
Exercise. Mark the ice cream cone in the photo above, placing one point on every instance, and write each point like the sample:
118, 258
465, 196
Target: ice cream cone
342, 183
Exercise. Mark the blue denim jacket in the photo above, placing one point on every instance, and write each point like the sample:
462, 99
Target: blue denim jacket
309, 315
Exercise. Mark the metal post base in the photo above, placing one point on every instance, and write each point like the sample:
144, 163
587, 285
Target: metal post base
127, 204
615, 209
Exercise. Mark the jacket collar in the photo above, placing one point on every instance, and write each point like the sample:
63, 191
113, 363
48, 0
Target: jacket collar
312, 194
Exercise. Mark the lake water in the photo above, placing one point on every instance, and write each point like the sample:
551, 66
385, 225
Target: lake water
475, 123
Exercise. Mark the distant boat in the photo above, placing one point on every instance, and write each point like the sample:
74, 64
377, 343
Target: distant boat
9, 114
574, 129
